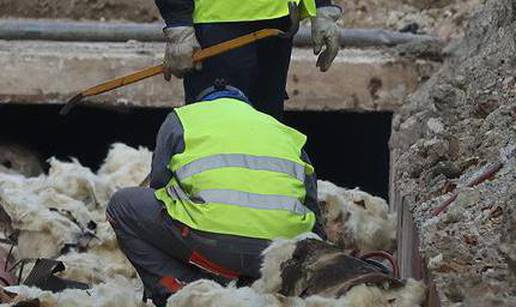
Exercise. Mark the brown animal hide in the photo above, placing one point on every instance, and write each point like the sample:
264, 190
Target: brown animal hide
317, 267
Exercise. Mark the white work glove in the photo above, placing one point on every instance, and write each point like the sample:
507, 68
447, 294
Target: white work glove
325, 31
181, 45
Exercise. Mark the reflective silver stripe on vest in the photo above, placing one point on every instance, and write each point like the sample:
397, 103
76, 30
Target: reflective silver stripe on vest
246, 161
176, 192
243, 199
255, 201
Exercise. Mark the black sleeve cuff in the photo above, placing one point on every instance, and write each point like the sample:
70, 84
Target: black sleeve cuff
321, 3
176, 12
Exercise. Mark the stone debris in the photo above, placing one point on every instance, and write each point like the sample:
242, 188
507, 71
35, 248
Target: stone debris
459, 124
444, 18
101, 10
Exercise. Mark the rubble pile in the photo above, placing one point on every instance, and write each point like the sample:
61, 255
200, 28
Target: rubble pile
102, 10
454, 148
444, 18
61, 215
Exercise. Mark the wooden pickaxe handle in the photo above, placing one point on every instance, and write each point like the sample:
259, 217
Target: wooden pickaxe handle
198, 56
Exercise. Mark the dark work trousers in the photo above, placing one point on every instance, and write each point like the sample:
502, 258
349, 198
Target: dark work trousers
159, 246
259, 69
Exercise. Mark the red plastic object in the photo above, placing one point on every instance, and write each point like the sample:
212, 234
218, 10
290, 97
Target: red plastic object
205, 264
384, 255
172, 284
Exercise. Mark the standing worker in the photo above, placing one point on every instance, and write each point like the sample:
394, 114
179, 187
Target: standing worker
260, 69
225, 181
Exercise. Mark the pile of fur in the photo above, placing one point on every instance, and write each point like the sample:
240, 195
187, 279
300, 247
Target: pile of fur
210, 294
264, 292
356, 220
18, 159
59, 214
62, 216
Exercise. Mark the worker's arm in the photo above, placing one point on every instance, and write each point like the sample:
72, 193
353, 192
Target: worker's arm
311, 198
180, 37
176, 12
170, 141
326, 33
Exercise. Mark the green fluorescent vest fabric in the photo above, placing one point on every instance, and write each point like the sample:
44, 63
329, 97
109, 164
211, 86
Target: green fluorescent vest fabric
240, 173
212, 11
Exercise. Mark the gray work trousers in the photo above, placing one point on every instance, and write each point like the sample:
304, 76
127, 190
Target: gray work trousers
159, 246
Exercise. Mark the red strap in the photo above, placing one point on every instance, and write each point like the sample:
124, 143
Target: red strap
171, 284
111, 220
185, 231
200, 261
384, 255
7, 279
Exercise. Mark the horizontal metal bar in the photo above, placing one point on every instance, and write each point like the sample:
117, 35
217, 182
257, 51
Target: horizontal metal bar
151, 32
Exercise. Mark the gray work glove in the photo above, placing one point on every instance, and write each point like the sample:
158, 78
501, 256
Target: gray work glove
325, 31
181, 45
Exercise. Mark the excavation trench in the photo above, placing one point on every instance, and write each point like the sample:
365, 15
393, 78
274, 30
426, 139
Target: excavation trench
348, 148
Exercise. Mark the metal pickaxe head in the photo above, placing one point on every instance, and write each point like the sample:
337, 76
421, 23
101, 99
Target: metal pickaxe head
70, 104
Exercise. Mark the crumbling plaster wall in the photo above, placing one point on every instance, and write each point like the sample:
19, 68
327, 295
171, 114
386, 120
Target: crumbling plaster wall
458, 123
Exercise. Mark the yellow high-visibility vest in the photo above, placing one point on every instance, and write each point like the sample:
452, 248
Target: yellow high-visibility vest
240, 173
212, 11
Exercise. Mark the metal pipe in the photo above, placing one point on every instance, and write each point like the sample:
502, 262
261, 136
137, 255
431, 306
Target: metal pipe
79, 31
151, 32
366, 37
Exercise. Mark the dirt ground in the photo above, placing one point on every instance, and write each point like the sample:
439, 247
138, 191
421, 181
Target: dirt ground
108, 10
442, 17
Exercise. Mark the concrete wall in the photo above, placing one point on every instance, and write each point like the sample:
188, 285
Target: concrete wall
37, 72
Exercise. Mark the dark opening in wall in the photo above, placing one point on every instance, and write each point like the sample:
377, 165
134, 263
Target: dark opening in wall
349, 149
85, 133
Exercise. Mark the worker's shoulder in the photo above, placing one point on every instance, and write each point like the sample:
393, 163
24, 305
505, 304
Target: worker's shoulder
171, 122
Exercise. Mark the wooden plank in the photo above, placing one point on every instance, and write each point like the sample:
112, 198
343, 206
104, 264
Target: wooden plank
410, 262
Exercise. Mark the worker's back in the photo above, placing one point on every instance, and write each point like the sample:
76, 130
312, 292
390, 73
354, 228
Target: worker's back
240, 173
209, 11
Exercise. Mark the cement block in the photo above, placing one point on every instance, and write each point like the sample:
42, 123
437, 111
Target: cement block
38, 72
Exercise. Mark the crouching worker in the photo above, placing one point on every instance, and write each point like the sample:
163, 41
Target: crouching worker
225, 181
